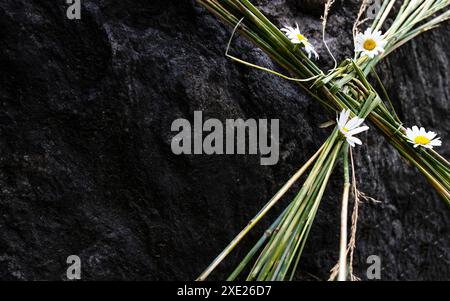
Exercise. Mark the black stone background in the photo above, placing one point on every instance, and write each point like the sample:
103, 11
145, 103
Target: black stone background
85, 160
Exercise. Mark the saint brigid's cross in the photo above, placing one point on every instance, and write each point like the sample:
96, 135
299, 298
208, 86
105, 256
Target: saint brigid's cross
344, 89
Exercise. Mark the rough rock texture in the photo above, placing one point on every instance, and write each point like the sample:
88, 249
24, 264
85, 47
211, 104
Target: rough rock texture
86, 166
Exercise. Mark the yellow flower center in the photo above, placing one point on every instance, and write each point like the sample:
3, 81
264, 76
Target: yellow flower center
421, 140
345, 130
370, 44
302, 38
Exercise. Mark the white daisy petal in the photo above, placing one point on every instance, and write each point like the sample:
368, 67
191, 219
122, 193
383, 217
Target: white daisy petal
347, 116
354, 139
354, 122
358, 130
435, 142
430, 135
311, 51
343, 116
352, 143
409, 133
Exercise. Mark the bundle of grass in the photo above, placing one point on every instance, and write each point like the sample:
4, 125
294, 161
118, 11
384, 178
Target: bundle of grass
345, 89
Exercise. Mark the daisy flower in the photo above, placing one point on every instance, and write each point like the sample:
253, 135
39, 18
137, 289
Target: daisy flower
423, 138
351, 127
296, 37
370, 43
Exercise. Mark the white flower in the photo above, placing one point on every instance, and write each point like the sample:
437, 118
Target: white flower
421, 137
370, 43
348, 128
296, 37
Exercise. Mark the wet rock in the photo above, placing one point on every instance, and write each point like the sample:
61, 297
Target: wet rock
86, 166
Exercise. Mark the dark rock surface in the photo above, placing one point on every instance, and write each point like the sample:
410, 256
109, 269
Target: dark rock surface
85, 160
